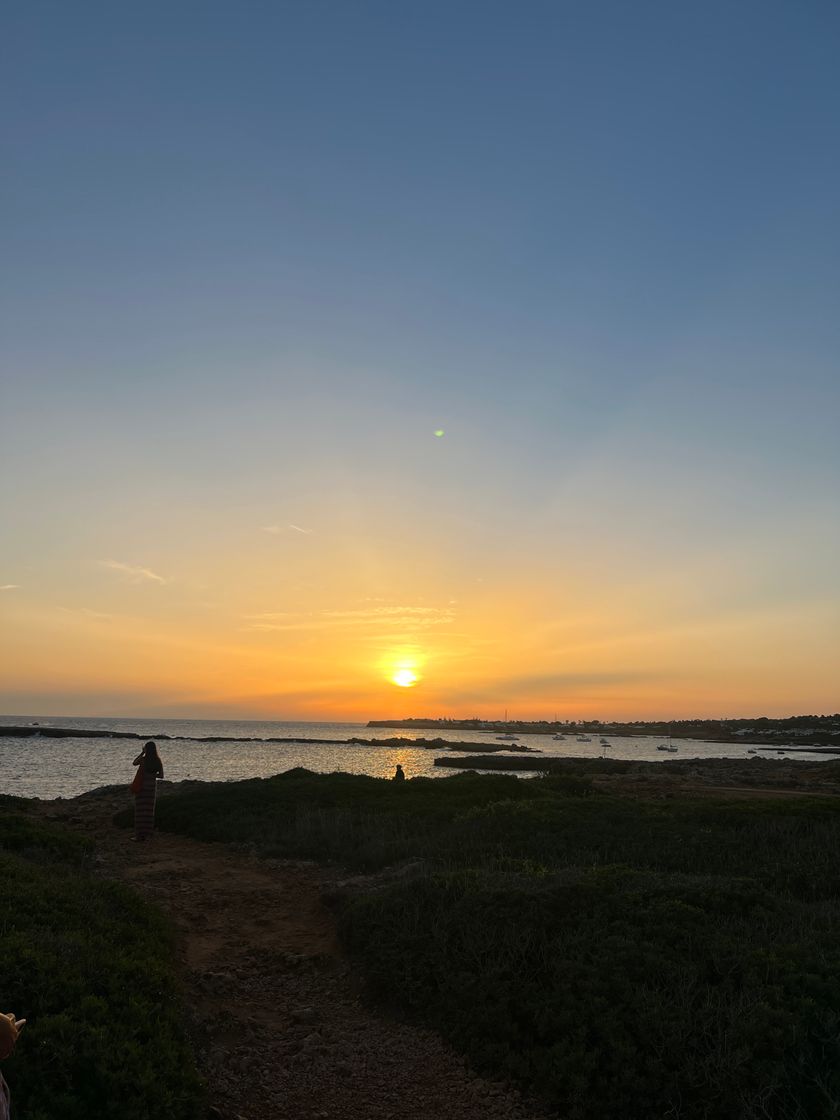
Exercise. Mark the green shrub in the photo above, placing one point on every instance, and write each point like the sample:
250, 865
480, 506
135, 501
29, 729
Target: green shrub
37, 839
89, 965
626, 957
369, 823
613, 993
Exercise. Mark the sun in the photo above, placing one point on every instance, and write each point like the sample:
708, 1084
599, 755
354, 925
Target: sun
405, 678
402, 667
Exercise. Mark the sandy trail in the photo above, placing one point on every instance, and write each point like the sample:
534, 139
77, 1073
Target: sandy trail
280, 1030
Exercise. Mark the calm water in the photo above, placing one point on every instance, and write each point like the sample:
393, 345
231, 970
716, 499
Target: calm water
66, 767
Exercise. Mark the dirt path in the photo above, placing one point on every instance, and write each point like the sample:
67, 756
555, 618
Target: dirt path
281, 1032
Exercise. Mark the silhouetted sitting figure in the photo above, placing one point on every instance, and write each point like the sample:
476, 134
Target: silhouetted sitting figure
399, 776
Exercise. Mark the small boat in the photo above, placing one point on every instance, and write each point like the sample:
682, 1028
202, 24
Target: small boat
604, 742
669, 746
508, 736
559, 738
583, 739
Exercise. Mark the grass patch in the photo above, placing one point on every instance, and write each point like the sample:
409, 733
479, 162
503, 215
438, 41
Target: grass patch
89, 965
38, 840
625, 957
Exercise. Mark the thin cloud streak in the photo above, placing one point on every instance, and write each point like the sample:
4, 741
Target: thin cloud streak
408, 618
386, 612
87, 613
273, 615
9, 587
393, 624
133, 573
547, 687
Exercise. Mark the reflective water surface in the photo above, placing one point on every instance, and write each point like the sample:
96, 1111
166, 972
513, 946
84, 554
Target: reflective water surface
40, 767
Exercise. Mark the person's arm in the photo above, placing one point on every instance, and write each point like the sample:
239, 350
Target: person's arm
160, 771
10, 1028
138, 759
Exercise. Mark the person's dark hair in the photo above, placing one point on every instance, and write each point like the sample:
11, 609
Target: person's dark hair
150, 751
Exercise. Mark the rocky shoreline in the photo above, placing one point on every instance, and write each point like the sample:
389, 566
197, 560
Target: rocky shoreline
32, 731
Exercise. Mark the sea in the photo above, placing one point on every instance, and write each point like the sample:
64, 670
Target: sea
47, 768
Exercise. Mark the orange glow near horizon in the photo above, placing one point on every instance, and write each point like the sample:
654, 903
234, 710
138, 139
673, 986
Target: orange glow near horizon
345, 641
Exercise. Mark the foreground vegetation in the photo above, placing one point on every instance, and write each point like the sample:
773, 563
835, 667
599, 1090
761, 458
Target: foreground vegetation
88, 964
624, 957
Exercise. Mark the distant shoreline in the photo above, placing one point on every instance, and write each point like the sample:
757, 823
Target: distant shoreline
39, 731
706, 731
816, 744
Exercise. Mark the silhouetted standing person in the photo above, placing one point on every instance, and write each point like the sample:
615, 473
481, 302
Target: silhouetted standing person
10, 1028
151, 769
399, 775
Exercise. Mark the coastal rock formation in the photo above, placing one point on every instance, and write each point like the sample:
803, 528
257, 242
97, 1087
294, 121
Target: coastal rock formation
36, 730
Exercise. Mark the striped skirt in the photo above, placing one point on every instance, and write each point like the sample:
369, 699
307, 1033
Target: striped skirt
5, 1105
144, 807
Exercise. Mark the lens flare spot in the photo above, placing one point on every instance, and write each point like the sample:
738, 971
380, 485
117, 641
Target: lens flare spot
439, 432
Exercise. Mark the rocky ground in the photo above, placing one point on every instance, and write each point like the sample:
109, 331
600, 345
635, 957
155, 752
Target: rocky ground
280, 1026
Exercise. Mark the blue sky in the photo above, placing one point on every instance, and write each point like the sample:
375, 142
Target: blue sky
255, 254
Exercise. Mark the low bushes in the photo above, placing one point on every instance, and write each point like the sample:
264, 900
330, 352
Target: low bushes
475, 820
659, 959
617, 994
88, 964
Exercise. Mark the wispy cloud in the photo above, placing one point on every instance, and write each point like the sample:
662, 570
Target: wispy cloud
276, 530
87, 612
273, 616
583, 686
9, 586
389, 618
389, 612
132, 572
266, 627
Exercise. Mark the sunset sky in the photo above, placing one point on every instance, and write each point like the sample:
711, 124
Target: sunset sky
492, 347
